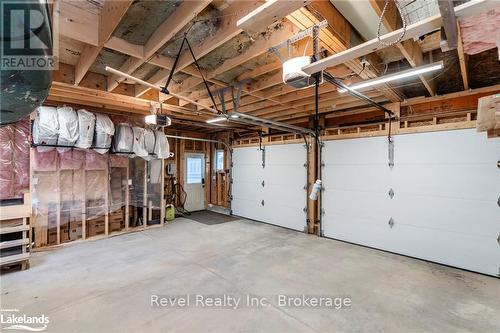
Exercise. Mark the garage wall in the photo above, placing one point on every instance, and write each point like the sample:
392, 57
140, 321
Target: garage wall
446, 186
283, 194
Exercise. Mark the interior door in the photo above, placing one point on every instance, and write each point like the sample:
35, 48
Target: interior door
194, 181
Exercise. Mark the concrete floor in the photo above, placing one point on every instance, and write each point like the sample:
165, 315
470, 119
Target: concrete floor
106, 285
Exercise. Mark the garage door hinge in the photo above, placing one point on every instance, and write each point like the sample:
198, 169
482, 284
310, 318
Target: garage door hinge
498, 239
231, 198
305, 165
304, 209
305, 187
262, 202
391, 193
322, 211
391, 222
232, 164
263, 183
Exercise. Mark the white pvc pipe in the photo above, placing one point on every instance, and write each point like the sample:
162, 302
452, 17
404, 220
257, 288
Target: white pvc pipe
152, 86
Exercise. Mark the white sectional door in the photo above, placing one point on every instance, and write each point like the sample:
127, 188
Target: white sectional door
445, 207
274, 193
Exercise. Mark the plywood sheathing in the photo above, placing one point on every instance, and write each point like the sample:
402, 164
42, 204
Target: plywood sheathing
232, 74
484, 69
145, 71
235, 47
203, 26
143, 18
110, 58
69, 50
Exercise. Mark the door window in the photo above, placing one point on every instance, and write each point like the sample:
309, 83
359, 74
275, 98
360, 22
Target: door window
194, 170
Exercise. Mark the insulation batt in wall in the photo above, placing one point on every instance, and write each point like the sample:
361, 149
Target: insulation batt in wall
14, 159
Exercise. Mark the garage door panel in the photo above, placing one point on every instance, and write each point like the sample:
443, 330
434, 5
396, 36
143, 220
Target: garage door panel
248, 208
293, 154
445, 180
368, 150
446, 214
446, 186
283, 193
346, 203
367, 178
292, 194
285, 213
463, 145
285, 174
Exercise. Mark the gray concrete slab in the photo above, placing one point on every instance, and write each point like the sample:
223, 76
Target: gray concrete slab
106, 285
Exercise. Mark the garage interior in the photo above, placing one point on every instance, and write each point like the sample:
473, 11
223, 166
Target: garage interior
279, 166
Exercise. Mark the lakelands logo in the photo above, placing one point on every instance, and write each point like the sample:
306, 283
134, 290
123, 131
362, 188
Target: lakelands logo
13, 319
27, 36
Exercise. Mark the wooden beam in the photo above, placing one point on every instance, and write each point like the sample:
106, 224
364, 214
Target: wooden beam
111, 15
463, 60
268, 13
187, 11
227, 30
414, 30
449, 25
334, 41
77, 23
410, 49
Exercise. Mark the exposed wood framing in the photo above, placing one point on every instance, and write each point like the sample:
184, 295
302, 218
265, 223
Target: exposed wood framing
410, 49
415, 30
334, 41
169, 28
449, 25
463, 60
110, 17
227, 30
268, 13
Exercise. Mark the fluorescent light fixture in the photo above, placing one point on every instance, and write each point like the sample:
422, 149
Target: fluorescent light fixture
235, 116
396, 76
216, 120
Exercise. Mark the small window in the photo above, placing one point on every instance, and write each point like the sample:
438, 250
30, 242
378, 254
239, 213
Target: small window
194, 170
219, 160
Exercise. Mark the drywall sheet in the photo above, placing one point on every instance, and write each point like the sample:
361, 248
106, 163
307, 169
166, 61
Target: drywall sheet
446, 188
274, 193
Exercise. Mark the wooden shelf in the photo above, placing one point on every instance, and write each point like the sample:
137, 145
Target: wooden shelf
9, 230
13, 259
14, 243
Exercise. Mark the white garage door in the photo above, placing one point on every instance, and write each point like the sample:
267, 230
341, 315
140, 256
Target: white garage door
445, 206
275, 193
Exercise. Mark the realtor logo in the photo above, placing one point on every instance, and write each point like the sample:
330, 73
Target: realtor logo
13, 319
28, 36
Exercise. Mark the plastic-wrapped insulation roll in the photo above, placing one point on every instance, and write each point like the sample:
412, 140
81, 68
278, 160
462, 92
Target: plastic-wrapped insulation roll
162, 148
86, 125
123, 140
149, 142
45, 127
104, 129
68, 127
139, 147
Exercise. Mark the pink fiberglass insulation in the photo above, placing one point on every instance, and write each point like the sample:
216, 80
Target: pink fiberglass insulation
95, 161
481, 32
71, 159
14, 159
45, 161
117, 161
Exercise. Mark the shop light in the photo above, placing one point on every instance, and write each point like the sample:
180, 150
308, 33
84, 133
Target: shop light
396, 76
